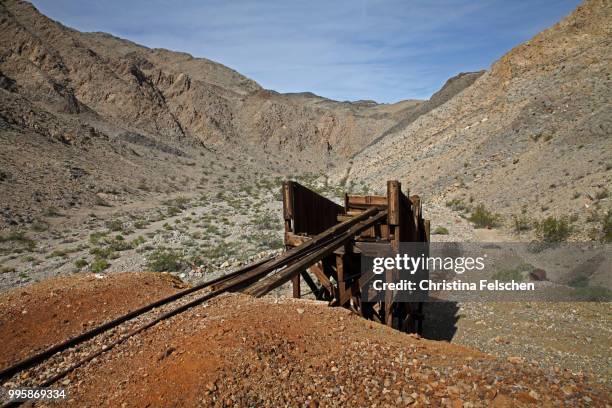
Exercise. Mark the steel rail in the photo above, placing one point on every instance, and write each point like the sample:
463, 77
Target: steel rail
30, 361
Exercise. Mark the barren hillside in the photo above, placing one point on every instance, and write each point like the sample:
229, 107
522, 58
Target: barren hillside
532, 132
83, 113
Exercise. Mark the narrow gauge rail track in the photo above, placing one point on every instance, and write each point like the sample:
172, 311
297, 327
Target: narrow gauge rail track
85, 347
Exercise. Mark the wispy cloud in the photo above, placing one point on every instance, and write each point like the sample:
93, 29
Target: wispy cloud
384, 50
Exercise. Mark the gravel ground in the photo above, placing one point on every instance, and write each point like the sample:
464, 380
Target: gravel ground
240, 351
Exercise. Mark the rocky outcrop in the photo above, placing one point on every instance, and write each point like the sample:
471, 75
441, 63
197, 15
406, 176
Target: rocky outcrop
532, 132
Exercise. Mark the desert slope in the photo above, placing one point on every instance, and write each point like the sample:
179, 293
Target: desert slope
83, 114
532, 131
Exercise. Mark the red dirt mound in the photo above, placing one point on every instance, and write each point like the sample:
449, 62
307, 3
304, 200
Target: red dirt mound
240, 351
35, 317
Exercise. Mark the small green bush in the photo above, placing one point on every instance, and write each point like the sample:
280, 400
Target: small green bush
172, 211
103, 253
441, 231
165, 260
95, 237
553, 229
483, 218
457, 205
521, 222
39, 226
80, 263
593, 294
119, 245
114, 225
507, 275
20, 238
138, 241
99, 265
606, 227
579, 282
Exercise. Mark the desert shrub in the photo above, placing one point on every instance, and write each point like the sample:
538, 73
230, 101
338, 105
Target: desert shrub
51, 212
606, 227
521, 222
80, 263
95, 237
140, 224
101, 202
39, 226
441, 231
483, 218
601, 194
119, 244
103, 253
18, 238
99, 265
579, 282
267, 221
165, 260
173, 210
508, 274
180, 202
553, 229
592, 294
114, 225
138, 241
457, 204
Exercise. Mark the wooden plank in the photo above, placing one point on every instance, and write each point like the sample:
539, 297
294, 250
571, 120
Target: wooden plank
287, 205
312, 213
389, 277
379, 248
313, 287
393, 202
271, 282
317, 271
369, 200
343, 295
296, 286
356, 206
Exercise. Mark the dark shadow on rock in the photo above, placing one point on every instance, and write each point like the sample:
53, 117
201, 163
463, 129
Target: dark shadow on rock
440, 321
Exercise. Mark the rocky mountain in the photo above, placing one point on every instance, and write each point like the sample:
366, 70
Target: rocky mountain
532, 133
82, 113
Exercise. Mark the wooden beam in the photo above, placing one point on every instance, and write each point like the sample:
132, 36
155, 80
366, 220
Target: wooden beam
372, 248
296, 286
393, 200
317, 271
315, 243
369, 200
271, 282
287, 204
313, 287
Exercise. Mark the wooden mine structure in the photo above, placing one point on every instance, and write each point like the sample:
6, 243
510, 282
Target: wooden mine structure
380, 224
322, 238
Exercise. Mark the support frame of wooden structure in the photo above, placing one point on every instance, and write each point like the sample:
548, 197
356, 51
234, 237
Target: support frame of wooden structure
337, 278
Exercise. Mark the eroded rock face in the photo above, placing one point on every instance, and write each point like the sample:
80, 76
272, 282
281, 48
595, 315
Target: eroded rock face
171, 95
533, 131
118, 109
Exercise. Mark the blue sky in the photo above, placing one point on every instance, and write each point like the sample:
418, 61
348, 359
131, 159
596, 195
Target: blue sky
345, 50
